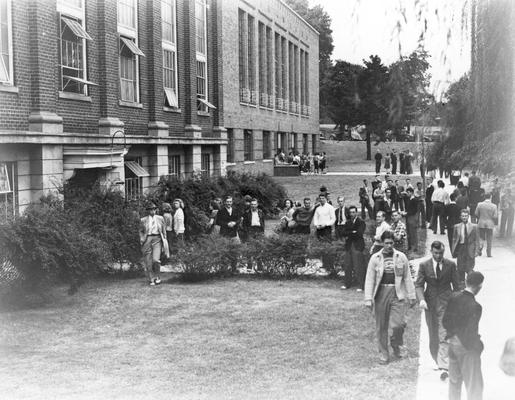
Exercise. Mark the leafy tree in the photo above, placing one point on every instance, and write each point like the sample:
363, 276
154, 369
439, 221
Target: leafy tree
407, 90
372, 84
343, 108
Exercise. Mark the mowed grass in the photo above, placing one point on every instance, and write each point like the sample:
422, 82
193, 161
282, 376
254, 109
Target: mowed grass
239, 338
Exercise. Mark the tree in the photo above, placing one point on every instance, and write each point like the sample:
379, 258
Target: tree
373, 107
319, 19
407, 90
343, 108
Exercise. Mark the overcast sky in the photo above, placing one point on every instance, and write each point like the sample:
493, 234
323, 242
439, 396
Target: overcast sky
365, 27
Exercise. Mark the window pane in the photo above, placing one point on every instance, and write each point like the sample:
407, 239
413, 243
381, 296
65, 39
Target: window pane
127, 75
168, 20
5, 55
127, 13
200, 26
169, 69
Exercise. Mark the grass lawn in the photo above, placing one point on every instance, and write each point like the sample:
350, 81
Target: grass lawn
239, 338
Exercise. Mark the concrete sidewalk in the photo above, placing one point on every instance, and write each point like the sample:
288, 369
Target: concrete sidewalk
497, 324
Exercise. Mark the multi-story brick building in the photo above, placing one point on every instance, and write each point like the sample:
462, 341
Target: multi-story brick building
126, 91
270, 82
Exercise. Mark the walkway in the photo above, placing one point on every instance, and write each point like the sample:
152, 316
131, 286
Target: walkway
497, 324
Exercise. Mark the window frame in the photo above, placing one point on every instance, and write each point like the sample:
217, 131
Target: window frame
12, 179
248, 147
126, 30
267, 151
10, 67
174, 160
205, 172
170, 46
203, 104
230, 146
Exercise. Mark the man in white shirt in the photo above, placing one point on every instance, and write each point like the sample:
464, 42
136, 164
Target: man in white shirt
439, 199
324, 218
152, 234
382, 226
465, 180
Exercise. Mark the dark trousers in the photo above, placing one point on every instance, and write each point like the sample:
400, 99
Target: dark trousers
506, 227
355, 269
378, 167
390, 312
394, 168
411, 230
438, 345
438, 215
450, 231
486, 235
365, 205
464, 367
303, 229
324, 234
422, 214
399, 204
254, 232
464, 263
473, 217
429, 210
338, 232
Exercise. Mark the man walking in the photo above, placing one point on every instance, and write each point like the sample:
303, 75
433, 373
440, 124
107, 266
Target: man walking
452, 217
354, 245
412, 219
507, 213
475, 194
439, 199
364, 200
486, 212
388, 287
341, 214
152, 236
465, 245
428, 195
437, 278
378, 157
461, 320
420, 196
394, 162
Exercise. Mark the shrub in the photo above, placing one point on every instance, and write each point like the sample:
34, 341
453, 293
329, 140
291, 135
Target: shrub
46, 245
207, 257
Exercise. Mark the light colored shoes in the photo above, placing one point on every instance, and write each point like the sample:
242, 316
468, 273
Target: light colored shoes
359, 290
157, 281
343, 287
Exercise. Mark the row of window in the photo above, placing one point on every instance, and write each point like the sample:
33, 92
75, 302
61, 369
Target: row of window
283, 140
73, 38
282, 68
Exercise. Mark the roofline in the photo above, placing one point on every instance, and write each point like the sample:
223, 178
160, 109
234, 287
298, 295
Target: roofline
302, 19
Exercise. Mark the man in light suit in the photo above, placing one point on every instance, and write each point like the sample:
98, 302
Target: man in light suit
388, 288
437, 278
486, 213
465, 245
152, 236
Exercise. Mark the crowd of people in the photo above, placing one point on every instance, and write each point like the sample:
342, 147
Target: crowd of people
467, 214
307, 162
390, 162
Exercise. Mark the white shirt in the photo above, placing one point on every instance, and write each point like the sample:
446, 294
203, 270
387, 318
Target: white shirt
440, 195
434, 266
255, 219
379, 231
465, 180
462, 236
178, 221
152, 225
324, 215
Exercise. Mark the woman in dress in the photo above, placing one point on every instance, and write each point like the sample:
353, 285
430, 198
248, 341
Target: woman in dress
287, 215
178, 220
387, 163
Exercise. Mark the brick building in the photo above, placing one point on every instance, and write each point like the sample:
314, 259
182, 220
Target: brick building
270, 82
126, 91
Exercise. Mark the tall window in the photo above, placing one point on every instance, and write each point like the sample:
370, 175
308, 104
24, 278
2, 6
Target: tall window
313, 144
248, 145
201, 46
73, 36
291, 76
8, 191
174, 166
242, 56
278, 73
266, 145
306, 82
169, 43
251, 49
305, 148
284, 71
230, 145
205, 164
262, 65
302, 82
296, 79
270, 67
6, 49
129, 51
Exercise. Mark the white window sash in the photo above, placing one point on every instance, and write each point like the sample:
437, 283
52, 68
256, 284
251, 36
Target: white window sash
9, 68
130, 31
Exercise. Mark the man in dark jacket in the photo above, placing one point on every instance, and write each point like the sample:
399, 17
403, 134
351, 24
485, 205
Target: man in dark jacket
461, 321
437, 278
364, 200
378, 157
429, 204
228, 219
303, 217
394, 162
341, 214
452, 217
354, 246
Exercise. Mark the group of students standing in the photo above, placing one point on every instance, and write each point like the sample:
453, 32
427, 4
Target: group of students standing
308, 163
404, 160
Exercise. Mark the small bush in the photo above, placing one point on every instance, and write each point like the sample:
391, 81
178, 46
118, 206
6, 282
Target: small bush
208, 257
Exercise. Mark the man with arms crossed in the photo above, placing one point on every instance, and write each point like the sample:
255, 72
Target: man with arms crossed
437, 278
388, 287
354, 245
465, 245
461, 320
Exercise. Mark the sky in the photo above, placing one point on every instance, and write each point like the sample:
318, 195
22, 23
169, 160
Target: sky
392, 27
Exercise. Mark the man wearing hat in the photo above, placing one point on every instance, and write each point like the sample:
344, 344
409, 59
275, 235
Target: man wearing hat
152, 235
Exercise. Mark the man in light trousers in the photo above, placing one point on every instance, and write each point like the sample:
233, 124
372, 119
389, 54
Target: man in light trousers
388, 287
